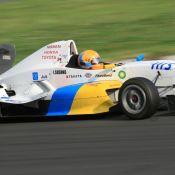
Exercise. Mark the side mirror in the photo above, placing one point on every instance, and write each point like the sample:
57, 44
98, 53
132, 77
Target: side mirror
140, 58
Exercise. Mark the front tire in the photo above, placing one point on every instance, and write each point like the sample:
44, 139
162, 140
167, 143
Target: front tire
138, 98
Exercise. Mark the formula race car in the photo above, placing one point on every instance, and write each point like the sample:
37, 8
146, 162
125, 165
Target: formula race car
50, 83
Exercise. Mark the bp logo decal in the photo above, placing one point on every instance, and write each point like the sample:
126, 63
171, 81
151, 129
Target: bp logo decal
122, 74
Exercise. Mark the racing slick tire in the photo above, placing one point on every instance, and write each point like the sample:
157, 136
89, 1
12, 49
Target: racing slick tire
138, 98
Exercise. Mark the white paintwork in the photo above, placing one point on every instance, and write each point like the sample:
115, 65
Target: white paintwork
55, 56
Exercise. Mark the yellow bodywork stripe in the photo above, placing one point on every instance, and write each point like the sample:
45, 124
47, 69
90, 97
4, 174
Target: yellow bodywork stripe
92, 98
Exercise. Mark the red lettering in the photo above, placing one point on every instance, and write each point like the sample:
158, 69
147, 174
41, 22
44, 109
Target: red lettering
53, 46
51, 57
51, 52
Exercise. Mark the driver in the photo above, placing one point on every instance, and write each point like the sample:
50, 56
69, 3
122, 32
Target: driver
90, 59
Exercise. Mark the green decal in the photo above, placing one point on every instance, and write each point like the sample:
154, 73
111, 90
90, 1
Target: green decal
122, 74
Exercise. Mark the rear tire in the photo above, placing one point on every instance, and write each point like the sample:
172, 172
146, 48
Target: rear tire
138, 98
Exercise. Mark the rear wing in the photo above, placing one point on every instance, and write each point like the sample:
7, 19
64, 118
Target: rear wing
7, 57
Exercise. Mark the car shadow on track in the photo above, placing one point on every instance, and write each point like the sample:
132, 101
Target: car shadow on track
25, 119
106, 116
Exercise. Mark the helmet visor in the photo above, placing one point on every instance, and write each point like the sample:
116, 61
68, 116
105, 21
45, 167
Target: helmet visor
96, 61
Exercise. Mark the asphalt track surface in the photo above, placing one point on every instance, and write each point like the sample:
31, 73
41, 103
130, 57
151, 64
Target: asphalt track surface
106, 145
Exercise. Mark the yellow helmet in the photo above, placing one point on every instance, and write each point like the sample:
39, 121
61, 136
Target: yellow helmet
90, 59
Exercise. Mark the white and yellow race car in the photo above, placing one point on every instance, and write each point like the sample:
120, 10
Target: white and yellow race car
50, 83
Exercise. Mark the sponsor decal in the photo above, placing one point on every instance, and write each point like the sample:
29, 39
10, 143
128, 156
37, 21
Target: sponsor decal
9, 100
51, 57
73, 76
93, 84
54, 46
162, 66
59, 71
88, 75
51, 52
59, 59
103, 75
63, 56
44, 77
35, 76
122, 74
114, 85
5, 97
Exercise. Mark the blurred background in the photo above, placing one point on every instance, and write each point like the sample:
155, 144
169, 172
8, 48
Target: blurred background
117, 29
